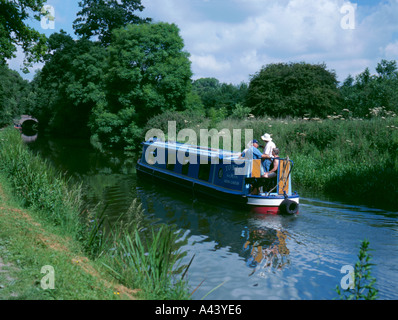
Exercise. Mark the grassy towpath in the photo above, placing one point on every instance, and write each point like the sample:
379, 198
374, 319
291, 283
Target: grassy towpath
27, 244
47, 232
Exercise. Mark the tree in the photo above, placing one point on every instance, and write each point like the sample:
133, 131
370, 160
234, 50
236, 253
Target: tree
13, 93
208, 90
148, 73
216, 95
387, 69
69, 85
148, 69
14, 30
369, 93
101, 17
293, 89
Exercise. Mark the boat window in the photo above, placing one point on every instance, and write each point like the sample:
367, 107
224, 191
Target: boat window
204, 171
171, 160
220, 173
170, 166
185, 168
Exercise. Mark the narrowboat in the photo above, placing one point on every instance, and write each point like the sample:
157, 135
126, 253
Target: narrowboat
219, 174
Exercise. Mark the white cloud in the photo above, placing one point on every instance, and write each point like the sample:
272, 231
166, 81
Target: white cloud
209, 62
391, 51
271, 31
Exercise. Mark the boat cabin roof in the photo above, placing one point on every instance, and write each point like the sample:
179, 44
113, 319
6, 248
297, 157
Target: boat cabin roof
192, 149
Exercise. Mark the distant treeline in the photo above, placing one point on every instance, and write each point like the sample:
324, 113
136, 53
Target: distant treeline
126, 70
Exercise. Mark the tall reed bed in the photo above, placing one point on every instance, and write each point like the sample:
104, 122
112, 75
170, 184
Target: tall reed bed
142, 254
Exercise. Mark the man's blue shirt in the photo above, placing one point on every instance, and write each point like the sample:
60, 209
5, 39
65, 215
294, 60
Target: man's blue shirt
255, 152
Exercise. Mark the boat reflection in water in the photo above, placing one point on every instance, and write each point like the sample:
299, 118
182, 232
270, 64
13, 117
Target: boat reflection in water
259, 240
265, 249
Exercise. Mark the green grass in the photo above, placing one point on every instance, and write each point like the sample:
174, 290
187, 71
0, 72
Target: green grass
28, 243
139, 253
38, 185
148, 260
42, 224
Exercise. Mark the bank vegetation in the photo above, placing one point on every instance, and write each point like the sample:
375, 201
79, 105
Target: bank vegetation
44, 222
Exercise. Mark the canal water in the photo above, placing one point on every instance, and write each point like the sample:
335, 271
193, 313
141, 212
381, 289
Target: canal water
239, 255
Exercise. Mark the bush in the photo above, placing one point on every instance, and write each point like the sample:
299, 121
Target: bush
240, 111
293, 89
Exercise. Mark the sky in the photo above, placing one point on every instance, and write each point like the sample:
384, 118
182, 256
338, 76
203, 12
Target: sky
231, 40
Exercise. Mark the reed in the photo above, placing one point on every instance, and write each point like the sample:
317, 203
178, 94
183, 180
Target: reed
150, 264
146, 255
39, 185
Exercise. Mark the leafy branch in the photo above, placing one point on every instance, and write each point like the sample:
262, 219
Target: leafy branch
363, 287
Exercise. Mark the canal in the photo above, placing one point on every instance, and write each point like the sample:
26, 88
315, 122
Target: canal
240, 255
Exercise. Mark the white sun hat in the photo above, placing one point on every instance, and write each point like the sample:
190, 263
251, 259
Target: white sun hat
266, 137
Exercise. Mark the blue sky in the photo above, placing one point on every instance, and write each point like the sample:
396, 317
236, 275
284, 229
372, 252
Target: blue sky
232, 39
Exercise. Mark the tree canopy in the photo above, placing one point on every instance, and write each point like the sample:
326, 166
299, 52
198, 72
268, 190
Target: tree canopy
13, 94
14, 30
368, 93
293, 89
220, 99
147, 73
101, 17
69, 84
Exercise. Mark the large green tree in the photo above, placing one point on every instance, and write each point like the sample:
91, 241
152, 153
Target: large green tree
15, 31
372, 94
148, 72
215, 94
101, 17
13, 95
293, 89
69, 84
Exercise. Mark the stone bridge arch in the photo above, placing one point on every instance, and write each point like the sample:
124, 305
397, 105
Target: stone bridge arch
29, 131
25, 118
